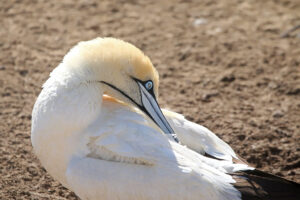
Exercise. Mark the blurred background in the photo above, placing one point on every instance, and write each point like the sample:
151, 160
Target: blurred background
229, 65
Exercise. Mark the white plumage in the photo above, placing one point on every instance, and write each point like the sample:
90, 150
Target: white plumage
102, 148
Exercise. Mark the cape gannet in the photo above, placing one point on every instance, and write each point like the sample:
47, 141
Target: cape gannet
97, 128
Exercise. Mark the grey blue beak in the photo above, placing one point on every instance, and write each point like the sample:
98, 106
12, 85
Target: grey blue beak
152, 109
149, 106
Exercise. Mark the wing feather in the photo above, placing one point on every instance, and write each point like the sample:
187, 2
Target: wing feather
199, 138
128, 155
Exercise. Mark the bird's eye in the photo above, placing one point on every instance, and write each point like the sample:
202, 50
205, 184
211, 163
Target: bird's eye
148, 85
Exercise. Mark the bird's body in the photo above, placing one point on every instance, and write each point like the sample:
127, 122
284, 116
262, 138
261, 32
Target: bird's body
119, 146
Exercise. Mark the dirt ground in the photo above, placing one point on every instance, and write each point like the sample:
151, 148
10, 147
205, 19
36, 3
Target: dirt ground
222, 64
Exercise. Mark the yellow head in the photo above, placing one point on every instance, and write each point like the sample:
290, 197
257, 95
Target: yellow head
123, 71
113, 61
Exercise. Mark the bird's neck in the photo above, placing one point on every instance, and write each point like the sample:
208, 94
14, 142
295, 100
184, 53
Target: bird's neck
76, 102
64, 108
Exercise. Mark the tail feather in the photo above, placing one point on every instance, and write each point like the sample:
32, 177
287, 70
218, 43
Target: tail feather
258, 185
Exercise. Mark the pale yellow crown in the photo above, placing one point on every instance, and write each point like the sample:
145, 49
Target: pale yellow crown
116, 55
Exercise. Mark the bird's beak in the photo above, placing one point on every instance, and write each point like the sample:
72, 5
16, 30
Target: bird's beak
152, 109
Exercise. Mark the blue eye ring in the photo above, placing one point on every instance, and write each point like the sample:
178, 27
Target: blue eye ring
149, 85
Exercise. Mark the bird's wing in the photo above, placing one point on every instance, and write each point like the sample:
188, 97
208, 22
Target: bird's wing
255, 184
127, 155
199, 138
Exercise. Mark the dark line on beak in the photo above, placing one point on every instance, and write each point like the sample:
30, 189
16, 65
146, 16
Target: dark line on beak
139, 106
158, 114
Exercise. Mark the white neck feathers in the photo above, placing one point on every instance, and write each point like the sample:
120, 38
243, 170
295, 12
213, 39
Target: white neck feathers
65, 106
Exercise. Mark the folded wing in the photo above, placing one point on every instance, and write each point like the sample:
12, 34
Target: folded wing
127, 157
199, 138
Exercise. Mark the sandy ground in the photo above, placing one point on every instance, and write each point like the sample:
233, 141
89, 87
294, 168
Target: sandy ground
222, 64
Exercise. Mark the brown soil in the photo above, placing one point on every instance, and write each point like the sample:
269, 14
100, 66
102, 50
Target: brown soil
222, 64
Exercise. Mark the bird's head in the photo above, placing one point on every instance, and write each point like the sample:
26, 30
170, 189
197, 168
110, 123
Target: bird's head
122, 70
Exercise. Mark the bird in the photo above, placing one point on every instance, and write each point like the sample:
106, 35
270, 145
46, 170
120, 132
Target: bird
98, 129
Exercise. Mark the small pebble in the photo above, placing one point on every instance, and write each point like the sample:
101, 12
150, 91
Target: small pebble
278, 114
207, 96
199, 21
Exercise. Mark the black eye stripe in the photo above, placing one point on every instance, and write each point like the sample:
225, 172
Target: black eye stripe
151, 91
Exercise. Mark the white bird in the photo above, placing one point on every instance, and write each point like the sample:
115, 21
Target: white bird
97, 129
